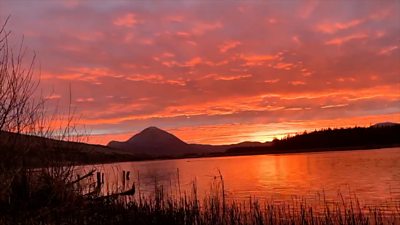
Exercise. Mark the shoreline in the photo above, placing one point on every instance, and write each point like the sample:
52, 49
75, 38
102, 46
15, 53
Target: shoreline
276, 152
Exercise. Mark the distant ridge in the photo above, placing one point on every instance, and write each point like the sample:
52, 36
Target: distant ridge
157, 142
385, 124
382, 135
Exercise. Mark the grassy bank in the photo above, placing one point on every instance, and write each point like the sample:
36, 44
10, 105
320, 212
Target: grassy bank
53, 196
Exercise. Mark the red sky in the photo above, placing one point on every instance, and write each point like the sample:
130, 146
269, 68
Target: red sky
215, 71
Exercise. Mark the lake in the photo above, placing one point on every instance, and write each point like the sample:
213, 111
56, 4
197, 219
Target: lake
373, 176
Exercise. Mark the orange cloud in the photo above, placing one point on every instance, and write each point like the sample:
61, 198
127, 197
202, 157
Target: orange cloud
343, 40
233, 77
346, 79
85, 100
145, 77
333, 106
388, 50
226, 46
284, 66
331, 28
272, 81
53, 97
194, 61
257, 60
155, 79
128, 20
297, 82
168, 55
183, 34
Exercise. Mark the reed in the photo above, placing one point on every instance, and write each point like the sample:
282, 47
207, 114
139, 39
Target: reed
55, 197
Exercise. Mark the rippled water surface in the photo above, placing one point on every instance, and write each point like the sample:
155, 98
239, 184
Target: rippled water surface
373, 176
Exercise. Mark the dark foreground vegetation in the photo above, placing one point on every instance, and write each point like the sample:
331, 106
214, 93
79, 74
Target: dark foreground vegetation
53, 196
330, 139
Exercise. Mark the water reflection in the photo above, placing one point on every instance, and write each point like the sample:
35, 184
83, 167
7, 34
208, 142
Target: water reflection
372, 175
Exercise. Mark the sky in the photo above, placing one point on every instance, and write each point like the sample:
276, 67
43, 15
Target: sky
214, 72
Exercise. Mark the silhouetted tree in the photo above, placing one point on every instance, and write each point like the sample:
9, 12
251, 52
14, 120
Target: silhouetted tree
18, 107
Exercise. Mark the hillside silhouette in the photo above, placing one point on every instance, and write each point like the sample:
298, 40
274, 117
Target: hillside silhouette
154, 141
157, 142
40, 151
375, 136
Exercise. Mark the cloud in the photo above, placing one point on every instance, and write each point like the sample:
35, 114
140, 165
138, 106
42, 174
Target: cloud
272, 81
257, 60
226, 46
297, 82
332, 28
53, 97
342, 40
145, 77
193, 62
82, 100
232, 77
333, 106
284, 66
388, 50
128, 20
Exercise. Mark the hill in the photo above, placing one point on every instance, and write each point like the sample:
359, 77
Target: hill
36, 151
375, 136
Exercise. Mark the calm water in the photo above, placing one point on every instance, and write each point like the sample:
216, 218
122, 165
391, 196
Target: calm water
372, 175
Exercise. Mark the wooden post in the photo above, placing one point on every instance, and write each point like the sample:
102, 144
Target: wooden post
102, 178
123, 178
98, 175
127, 174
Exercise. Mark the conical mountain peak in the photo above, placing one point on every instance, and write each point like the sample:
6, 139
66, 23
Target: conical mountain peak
154, 136
155, 141
153, 128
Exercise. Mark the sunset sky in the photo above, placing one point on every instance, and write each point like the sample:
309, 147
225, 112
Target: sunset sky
215, 71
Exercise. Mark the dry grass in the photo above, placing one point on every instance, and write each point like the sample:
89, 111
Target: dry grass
52, 196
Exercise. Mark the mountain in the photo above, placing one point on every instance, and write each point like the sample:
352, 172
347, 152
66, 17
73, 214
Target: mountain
385, 124
154, 141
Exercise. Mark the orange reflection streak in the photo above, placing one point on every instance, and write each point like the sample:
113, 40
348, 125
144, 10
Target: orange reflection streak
272, 177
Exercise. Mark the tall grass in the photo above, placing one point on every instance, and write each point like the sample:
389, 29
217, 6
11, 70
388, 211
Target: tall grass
53, 196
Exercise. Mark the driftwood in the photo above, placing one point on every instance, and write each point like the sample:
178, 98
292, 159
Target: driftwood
95, 194
83, 177
129, 192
